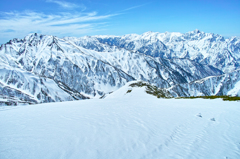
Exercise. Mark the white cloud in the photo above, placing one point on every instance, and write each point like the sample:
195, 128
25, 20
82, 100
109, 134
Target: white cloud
67, 5
19, 24
134, 7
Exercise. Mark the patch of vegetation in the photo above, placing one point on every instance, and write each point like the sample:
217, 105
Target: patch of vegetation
138, 84
163, 93
158, 92
224, 98
153, 90
129, 91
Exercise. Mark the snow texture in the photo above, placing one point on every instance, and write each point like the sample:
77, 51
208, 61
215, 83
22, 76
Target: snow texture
123, 125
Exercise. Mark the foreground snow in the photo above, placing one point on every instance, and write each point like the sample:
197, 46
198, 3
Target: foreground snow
123, 125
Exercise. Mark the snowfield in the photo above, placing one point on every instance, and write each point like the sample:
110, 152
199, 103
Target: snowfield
124, 125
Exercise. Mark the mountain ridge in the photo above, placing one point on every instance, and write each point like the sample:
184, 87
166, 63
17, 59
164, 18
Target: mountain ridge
91, 66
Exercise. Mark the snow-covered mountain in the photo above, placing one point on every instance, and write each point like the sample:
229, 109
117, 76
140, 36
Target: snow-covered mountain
205, 48
18, 86
227, 84
43, 68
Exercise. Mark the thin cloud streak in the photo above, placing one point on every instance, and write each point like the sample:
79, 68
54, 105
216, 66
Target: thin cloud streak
19, 24
134, 7
67, 5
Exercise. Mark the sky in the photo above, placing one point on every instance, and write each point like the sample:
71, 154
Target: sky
108, 17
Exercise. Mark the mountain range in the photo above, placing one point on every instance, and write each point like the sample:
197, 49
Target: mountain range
45, 68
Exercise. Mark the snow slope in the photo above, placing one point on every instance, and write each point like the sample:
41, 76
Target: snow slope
123, 125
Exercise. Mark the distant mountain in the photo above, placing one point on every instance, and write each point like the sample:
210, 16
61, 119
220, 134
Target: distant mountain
42, 68
205, 48
227, 84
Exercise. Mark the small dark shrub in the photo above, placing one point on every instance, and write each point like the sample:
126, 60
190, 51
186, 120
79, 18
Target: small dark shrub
129, 91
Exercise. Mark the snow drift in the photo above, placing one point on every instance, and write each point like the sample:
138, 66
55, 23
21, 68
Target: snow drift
123, 125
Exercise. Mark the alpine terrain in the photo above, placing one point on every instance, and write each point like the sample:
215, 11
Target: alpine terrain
45, 68
133, 125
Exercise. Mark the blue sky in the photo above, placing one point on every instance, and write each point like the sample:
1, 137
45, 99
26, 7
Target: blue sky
108, 17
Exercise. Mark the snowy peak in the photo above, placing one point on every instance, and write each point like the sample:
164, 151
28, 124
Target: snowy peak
205, 48
197, 31
94, 66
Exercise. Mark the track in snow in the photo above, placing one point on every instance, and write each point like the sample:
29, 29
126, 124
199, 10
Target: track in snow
134, 126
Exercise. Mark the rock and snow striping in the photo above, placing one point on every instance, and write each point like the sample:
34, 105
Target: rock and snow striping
92, 66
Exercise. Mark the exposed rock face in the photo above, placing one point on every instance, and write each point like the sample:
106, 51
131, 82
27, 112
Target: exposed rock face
205, 48
227, 84
41, 68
